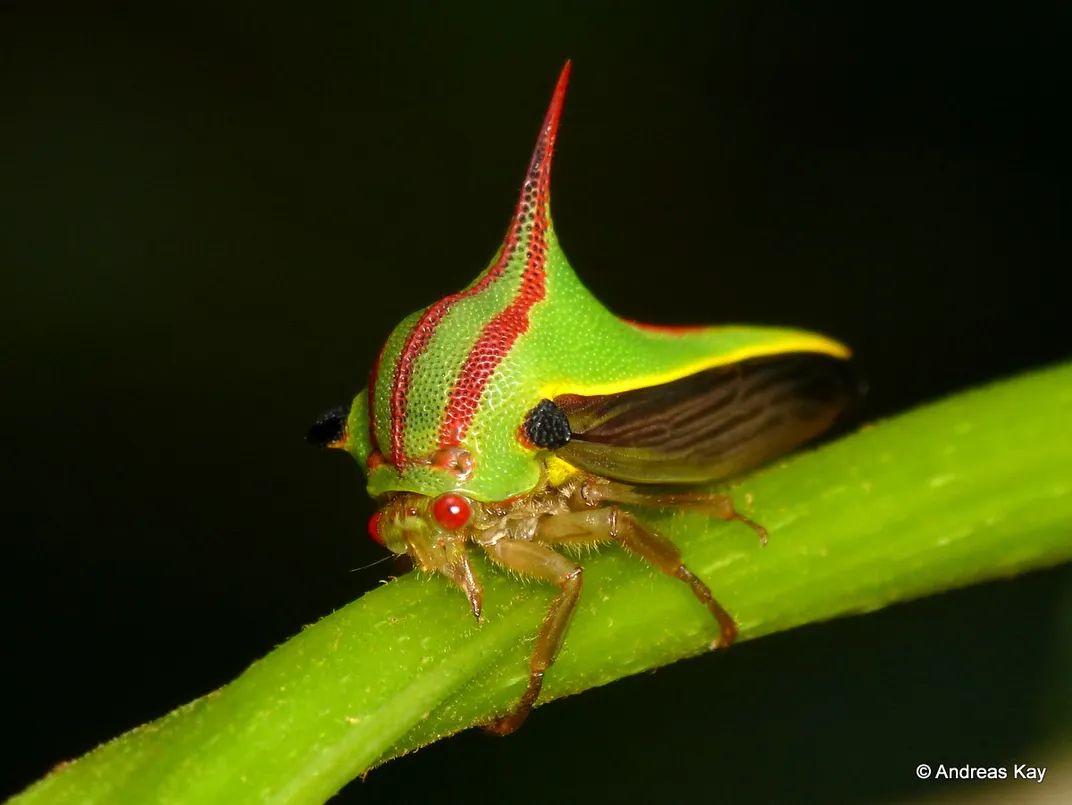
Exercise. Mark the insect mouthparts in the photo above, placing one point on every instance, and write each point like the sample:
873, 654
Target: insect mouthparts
519, 417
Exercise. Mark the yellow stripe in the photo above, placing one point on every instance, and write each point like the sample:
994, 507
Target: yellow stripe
805, 342
558, 471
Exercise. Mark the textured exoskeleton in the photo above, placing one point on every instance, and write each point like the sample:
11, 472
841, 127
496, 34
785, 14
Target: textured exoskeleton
519, 415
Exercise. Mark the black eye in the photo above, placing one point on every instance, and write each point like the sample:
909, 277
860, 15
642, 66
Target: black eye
547, 427
330, 429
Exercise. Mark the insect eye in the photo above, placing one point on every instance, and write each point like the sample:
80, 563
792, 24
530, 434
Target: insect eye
451, 511
375, 528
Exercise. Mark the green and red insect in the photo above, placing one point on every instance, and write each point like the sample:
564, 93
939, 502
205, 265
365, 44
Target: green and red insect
519, 415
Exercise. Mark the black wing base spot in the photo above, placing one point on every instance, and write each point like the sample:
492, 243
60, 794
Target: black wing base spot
329, 429
546, 426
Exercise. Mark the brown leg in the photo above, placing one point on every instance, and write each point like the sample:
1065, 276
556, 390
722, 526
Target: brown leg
596, 491
460, 571
542, 563
451, 558
613, 524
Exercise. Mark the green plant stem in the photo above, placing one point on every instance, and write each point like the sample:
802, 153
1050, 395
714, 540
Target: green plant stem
971, 488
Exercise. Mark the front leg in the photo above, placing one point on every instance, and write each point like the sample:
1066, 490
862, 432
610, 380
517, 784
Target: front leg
613, 524
542, 563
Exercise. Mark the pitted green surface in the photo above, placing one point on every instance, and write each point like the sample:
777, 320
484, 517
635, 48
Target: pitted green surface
466, 371
573, 345
357, 429
381, 395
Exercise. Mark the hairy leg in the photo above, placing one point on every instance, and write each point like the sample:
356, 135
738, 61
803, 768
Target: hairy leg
611, 524
542, 563
596, 491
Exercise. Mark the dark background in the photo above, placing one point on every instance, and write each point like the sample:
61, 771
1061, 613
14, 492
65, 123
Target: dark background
211, 216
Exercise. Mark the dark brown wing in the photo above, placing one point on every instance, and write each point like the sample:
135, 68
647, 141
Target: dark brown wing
708, 426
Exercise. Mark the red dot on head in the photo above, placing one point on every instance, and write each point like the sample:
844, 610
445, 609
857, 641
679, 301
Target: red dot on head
451, 511
375, 528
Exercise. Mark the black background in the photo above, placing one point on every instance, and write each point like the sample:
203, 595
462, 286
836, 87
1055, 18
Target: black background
211, 216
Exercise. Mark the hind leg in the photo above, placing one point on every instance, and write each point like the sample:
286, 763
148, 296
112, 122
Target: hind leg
612, 524
595, 491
